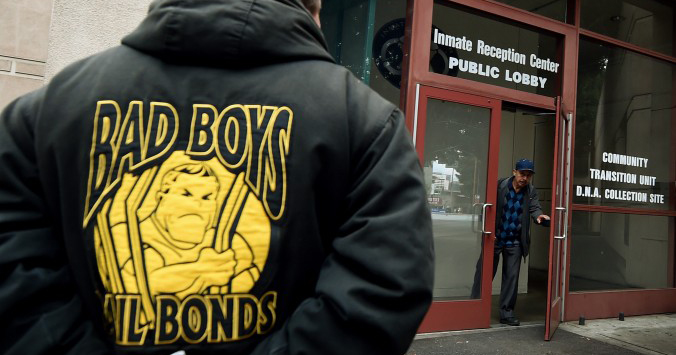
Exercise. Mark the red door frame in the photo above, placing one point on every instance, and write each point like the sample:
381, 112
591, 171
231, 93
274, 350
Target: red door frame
559, 220
416, 72
465, 314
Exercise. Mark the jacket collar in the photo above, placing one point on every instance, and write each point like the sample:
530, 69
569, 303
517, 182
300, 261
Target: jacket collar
229, 32
508, 181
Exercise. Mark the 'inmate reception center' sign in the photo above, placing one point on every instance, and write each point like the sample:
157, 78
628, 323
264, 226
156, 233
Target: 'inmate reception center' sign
477, 59
634, 182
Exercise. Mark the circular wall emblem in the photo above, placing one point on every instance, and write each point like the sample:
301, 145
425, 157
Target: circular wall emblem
388, 50
388, 53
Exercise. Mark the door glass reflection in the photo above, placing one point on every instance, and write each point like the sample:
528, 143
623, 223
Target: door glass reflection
455, 166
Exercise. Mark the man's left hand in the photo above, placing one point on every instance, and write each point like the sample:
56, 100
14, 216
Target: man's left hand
541, 217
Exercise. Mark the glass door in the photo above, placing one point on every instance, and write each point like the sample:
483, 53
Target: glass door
558, 235
457, 137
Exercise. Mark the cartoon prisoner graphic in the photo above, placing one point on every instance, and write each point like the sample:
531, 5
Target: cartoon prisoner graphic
184, 228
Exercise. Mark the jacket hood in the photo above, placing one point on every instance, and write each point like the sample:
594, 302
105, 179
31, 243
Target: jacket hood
239, 32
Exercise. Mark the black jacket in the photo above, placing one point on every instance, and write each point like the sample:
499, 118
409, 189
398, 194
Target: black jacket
214, 184
531, 208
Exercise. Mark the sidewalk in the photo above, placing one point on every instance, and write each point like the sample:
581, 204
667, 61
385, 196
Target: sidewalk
653, 335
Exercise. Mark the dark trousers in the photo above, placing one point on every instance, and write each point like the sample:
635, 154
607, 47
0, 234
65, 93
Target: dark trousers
511, 265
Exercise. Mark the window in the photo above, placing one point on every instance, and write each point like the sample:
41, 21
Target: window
493, 51
455, 157
367, 37
645, 23
555, 9
619, 251
623, 153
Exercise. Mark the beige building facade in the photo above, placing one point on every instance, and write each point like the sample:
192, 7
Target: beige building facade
24, 38
38, 38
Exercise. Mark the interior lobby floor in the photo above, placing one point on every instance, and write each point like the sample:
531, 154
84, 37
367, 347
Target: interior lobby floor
530, 307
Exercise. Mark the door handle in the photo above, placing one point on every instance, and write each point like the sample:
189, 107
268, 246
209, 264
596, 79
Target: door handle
483, 216
560, 209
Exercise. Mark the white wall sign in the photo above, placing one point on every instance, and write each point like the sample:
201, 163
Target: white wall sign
621, 177
508, 55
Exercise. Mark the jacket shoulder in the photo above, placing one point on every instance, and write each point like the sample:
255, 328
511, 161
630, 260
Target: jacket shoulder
502, 182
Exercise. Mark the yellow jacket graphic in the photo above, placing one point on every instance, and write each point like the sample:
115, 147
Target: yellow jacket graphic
175, 230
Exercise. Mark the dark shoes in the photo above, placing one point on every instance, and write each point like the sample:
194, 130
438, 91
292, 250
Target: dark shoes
510, 321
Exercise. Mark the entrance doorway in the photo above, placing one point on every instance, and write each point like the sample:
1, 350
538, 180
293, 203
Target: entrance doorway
465, 143
527, 132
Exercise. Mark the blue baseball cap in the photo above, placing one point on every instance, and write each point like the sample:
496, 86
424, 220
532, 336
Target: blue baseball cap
525, 164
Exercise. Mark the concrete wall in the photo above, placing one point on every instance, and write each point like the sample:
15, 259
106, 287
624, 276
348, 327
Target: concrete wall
84, 27
24, 35
38, 38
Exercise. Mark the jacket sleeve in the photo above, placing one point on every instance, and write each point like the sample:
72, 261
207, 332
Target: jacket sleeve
39, 309
535, 209
376, 285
